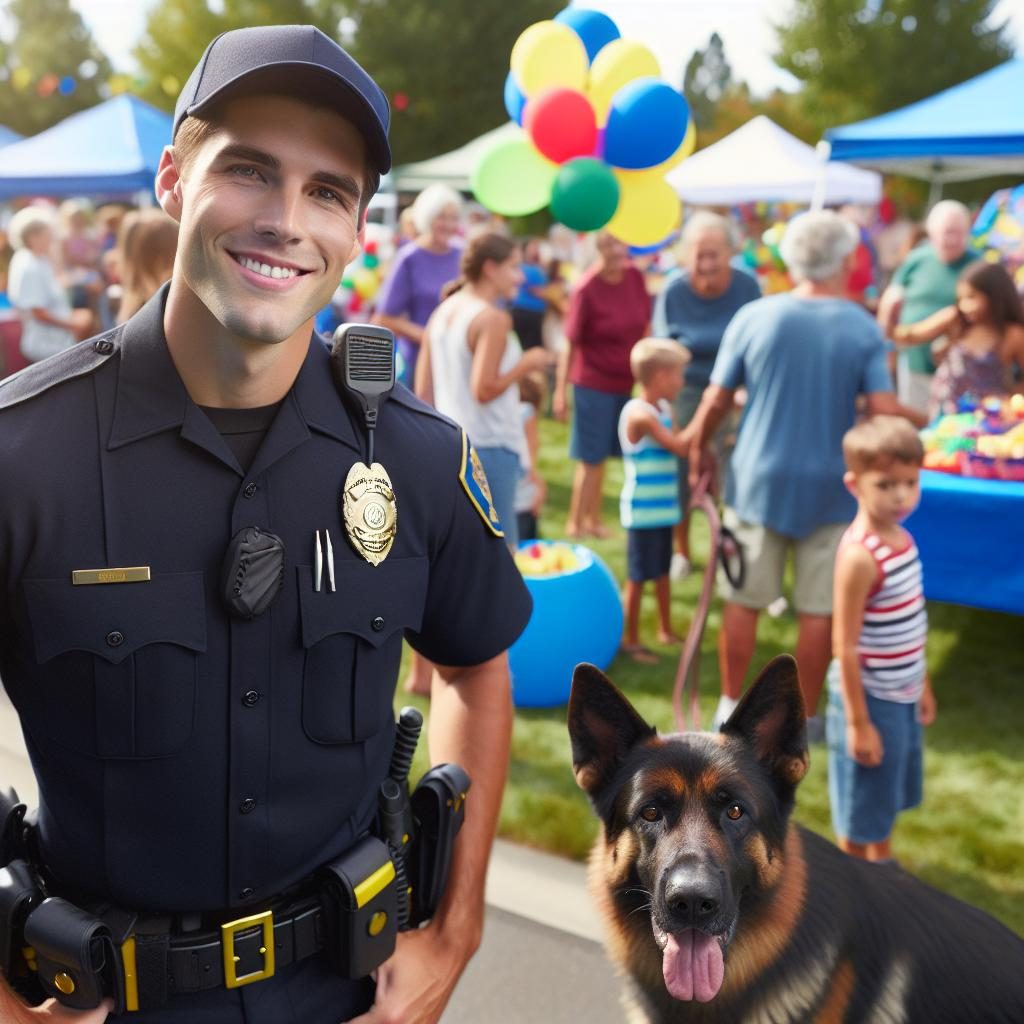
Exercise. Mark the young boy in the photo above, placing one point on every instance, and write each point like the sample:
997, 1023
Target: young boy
879, 692
649, 505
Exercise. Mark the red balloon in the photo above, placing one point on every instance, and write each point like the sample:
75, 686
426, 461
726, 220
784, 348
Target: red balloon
561, 123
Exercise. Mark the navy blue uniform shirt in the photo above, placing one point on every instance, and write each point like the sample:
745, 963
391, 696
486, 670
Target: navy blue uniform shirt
188, 760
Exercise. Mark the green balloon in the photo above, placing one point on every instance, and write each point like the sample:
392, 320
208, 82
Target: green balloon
512, 178
585, 194
370, 260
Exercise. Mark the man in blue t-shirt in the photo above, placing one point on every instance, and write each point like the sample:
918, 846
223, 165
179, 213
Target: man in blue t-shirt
804, 357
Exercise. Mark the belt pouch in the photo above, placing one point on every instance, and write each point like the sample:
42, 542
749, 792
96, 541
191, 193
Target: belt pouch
361, 908
74, 953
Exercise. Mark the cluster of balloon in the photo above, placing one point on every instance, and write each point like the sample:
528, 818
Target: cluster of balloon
362, 279
600, 131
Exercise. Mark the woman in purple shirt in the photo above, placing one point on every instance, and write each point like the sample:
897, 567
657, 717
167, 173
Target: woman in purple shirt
421, 269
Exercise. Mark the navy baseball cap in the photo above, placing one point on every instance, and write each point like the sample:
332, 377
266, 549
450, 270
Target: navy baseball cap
281, 53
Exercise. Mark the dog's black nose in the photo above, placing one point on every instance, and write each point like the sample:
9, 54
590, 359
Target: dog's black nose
692, 895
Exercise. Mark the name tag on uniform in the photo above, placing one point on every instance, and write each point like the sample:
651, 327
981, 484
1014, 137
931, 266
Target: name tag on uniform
127, 574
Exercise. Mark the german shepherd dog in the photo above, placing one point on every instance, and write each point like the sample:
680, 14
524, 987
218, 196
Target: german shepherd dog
719, 910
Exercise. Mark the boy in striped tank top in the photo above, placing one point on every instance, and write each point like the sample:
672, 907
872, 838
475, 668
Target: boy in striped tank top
879, 692
649, 504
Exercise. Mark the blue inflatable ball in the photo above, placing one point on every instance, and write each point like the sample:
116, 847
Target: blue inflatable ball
515, 101
595, 28
646, 124
577, 616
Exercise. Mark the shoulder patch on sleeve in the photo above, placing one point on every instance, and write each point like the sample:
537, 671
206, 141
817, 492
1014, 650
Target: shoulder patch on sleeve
77, 361
474, 482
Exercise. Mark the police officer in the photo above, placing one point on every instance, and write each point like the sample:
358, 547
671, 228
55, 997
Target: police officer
200, 757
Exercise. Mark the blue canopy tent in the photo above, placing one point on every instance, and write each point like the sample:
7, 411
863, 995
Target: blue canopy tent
973, 130
7, 136
112, 147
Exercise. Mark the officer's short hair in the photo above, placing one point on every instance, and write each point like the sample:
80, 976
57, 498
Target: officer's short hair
649, 355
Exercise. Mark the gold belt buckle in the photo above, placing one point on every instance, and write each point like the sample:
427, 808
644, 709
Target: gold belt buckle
229, 931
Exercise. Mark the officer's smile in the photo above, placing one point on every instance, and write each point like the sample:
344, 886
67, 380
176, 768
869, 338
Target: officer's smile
267, 272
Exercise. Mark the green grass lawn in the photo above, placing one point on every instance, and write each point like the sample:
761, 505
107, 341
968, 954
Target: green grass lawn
966, 838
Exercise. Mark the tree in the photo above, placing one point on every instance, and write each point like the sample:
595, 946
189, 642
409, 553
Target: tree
443, 65
51, 69
178, 31
706, 80
859, 58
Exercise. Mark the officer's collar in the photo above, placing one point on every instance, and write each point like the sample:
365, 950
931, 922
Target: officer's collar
151, 396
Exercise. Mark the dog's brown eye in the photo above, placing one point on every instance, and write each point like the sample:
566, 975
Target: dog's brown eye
734, 812
650, 813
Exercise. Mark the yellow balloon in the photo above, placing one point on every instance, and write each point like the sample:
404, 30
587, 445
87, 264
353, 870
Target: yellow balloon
615, 65
366, 283
648, 212
549, 54
20, 78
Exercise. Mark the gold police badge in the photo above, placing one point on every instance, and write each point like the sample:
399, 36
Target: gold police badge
369, 511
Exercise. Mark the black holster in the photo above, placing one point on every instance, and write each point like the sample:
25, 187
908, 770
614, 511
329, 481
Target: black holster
360, 898
75, 957
439, 809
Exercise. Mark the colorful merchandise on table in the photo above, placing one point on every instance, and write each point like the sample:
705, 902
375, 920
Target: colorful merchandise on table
984, 441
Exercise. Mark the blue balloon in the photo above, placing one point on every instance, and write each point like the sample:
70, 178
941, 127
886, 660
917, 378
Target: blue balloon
648, 250
595, 28
67, 85
646, 124
515, 101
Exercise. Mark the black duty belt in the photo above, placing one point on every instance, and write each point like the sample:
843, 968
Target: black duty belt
237, 953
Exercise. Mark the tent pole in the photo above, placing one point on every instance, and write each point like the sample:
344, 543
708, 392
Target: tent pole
934, 191
822, 150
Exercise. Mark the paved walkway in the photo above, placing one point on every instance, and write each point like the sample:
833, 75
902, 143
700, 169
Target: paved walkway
540, 962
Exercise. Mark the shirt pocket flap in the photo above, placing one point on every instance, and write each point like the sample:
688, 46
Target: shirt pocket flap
114, 620
370, 602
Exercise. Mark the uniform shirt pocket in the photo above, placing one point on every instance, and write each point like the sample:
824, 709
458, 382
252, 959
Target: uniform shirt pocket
117, 663
353, 644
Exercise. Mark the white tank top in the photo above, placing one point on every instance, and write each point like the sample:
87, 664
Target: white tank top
494, 424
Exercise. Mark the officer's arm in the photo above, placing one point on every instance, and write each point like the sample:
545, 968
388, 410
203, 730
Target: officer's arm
471, 725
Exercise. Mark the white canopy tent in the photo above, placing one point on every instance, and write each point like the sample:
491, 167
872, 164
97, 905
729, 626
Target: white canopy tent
453, 168
761, 162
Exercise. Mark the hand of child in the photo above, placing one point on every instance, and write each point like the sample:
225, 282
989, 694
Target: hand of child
927, 706
864, 745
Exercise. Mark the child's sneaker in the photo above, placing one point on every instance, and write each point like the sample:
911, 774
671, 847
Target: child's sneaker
680, 567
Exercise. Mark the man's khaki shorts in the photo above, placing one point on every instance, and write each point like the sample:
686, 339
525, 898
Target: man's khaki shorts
764, 558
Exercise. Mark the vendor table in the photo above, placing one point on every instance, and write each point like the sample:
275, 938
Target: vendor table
971, 537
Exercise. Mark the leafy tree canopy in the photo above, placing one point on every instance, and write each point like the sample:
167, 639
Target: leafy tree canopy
859, 58
706, 80
50, 69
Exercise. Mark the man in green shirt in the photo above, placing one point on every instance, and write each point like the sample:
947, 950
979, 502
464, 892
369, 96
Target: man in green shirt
923, 284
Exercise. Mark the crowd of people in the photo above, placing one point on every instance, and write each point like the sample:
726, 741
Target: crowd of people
693, 378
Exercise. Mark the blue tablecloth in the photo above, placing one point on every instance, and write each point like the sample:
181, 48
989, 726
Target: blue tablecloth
971, 537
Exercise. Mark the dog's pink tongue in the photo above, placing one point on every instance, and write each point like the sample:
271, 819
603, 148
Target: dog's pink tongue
692, 965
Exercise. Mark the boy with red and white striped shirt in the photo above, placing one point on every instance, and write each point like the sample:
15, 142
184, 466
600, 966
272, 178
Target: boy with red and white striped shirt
879, 692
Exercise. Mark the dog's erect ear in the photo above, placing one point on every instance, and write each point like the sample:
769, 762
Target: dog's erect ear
770, 718
603, 726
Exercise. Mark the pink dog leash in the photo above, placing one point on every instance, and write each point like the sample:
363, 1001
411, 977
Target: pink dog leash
724, 548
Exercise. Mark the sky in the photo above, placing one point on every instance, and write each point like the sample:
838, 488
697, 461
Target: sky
672, 29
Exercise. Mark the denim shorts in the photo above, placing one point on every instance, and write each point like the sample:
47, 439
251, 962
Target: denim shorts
865, 801
594, 434
503, 470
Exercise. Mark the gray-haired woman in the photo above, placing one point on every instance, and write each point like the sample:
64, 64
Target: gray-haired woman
695, 308
805, 357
